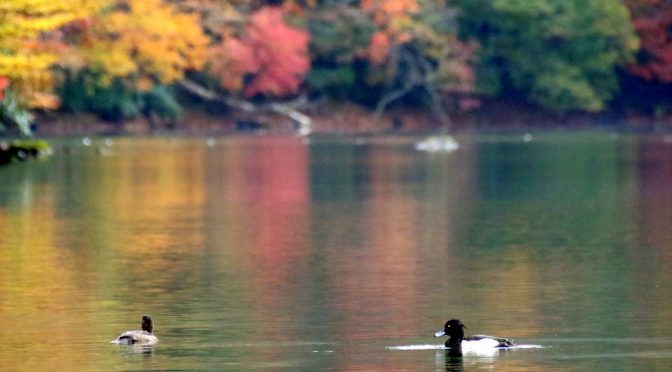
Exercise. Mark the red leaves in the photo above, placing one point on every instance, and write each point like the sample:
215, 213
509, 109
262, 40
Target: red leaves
653, 21
4, 83
271, 54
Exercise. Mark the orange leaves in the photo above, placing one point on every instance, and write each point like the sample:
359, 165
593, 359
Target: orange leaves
394, 17
394, 21
379, 48
384, 11
4, 83
270, 58
229, 63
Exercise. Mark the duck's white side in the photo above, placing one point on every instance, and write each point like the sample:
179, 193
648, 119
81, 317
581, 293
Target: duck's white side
484, 344
136, 337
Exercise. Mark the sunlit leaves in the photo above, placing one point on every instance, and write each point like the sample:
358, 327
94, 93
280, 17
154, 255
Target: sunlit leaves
30, 42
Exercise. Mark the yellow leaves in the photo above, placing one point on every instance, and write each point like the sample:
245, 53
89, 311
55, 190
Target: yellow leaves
114, 62
149, 39
143, 40
17, 65
25, 57
393, 14
25, 19
48, 101
29, 73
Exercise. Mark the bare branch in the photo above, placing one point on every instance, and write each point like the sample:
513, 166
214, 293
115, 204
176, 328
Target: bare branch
289, 109
417, 73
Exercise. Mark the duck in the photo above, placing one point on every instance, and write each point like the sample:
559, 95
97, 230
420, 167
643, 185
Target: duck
454, 329
144, 336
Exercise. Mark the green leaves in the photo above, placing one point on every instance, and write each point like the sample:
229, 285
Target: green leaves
13, 114
560, 54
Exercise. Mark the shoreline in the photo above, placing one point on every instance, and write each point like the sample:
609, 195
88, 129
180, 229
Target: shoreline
351, 119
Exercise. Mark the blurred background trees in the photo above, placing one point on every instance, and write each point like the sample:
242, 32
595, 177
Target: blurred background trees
30, 46
121, 59
648, 83
561, 55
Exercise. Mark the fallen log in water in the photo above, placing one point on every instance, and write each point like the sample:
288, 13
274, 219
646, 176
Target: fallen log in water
22, 150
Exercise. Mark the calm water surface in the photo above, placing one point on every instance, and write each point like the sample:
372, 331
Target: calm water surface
278, 254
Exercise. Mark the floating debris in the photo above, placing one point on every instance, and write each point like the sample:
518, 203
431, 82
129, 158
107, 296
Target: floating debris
438, 144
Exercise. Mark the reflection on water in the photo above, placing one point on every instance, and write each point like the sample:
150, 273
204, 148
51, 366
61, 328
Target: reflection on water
269, 253
129, 350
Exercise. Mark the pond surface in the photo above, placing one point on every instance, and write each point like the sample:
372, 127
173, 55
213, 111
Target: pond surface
275, 253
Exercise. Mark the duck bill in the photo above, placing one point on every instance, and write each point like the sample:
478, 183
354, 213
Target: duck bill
440, 333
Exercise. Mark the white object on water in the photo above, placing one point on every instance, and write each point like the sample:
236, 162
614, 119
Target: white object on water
136, 337
465, 348
438, 144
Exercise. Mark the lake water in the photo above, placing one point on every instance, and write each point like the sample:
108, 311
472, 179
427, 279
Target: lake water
275, 253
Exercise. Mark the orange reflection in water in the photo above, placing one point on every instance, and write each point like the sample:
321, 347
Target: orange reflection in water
39, 287
74, 266
382, 286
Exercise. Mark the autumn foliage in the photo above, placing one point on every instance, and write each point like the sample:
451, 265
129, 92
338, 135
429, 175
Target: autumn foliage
653, 22
30, 43
4, 83
414, 46
270, 57
373, 52
148, 40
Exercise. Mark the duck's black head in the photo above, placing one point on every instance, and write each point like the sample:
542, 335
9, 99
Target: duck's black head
454, 329
147, 324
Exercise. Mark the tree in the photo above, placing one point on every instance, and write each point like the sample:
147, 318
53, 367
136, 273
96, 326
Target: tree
30, 44
378, 52
560, 54
127, 55
652, 20
340, 38
144, 42
415, 48
270, 57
